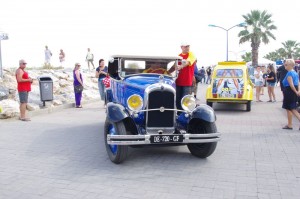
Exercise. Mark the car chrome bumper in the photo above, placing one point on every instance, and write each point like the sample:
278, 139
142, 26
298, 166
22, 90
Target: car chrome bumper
145, 139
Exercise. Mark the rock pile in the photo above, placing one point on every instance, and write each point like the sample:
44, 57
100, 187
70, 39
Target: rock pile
63, 92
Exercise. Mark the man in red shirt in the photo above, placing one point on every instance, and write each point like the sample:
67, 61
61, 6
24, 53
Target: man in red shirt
184, 81
24, 87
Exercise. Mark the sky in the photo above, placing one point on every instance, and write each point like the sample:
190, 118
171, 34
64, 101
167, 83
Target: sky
138, 27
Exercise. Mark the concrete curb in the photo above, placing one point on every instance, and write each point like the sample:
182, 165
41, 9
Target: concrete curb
52, 109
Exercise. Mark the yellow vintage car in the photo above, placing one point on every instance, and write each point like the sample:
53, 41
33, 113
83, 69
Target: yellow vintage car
230, 83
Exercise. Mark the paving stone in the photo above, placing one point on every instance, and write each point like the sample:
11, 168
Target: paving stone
62, 155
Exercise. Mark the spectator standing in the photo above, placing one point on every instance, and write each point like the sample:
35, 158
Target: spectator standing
90, 58
281, 71
271, 81
259, 82
24, 87
196, 79
202, 74
184, 81
290, 93
264, 71
62, 57
78, 85
208, 72
48, 55
101, 73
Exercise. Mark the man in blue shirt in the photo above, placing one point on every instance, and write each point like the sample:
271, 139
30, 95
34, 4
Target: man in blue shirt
196, 79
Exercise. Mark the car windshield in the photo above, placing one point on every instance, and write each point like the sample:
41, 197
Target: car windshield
228, 73
155, 66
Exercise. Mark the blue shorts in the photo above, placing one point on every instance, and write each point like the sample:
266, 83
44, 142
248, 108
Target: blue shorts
271, 84
259, 83
23, 96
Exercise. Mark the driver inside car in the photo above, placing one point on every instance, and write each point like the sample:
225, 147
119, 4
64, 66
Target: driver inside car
156, 68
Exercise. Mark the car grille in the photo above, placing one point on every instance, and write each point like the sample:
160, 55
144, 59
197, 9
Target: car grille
158, 99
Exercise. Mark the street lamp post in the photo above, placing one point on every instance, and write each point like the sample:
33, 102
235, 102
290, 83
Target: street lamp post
237, 25
237, 53
3, 36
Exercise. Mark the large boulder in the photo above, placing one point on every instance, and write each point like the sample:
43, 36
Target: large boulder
10, 108
4, 93
63, 91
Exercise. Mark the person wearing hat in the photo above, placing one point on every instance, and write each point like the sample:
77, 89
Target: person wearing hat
78, 85
24, 87
184, 81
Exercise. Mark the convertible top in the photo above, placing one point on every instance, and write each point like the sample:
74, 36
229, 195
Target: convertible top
146, 57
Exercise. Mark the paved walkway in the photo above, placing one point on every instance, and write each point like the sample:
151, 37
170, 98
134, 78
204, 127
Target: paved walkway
62, 155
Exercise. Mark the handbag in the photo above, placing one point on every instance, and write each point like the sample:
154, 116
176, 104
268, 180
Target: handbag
106, 82
78, 88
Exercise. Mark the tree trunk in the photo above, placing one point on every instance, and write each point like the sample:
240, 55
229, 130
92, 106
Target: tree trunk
255, 47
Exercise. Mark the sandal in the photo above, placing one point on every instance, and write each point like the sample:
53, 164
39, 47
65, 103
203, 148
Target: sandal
24, 119
287, 127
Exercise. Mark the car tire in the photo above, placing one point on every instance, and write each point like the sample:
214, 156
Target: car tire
248, 106
116, 153
203, 150
209, 103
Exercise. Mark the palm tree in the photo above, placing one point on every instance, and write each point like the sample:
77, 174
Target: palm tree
291, 48
281, 53
258, 29
247, 57
272, 56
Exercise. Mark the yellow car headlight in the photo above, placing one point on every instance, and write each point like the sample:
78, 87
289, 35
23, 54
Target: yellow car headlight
135, 102
188, 103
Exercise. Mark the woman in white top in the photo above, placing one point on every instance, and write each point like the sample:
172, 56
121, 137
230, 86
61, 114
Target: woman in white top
259, 82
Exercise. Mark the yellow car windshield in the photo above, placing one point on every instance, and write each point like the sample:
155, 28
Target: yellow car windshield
229, 73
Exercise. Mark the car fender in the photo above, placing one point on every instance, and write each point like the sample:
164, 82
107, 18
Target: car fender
109, 95
205, 113
249, 92
116, 112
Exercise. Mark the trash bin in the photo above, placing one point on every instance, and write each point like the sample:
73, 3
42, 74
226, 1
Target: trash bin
46, 88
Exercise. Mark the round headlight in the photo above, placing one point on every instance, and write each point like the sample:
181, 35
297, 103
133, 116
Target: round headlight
135, 102
188, 103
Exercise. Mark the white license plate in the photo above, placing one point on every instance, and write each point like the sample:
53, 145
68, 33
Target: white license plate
228, 95
157, 139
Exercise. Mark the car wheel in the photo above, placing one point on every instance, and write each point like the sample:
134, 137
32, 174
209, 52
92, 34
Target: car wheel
209, 103
248, 108
203, 150
116, 153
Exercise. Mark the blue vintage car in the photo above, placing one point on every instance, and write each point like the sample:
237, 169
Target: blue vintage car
141, 109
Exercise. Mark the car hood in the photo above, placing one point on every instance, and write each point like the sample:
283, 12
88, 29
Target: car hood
144, 80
